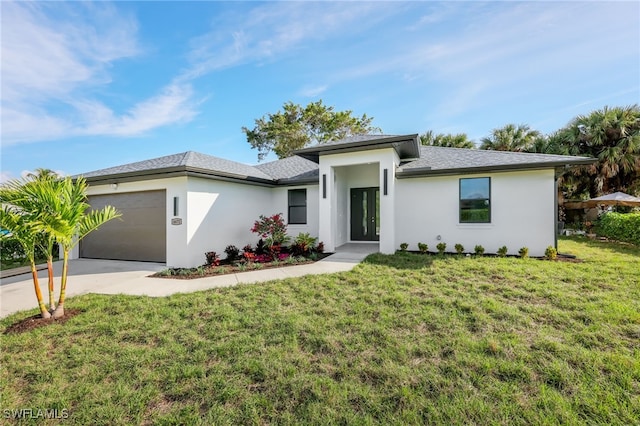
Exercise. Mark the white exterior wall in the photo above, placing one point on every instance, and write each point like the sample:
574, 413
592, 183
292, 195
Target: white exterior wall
214, 214
281, 205
332, 222
219, 214
174, 187
522, 212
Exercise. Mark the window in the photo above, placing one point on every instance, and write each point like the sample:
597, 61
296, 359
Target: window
297, 206
475, 200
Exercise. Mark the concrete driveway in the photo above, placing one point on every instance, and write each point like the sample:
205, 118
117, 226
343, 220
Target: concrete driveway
125, 277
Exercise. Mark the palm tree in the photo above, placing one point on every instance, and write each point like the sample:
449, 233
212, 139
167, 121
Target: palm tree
513, 138
26, 232
459, 140
612, 135
77, 224
54, 209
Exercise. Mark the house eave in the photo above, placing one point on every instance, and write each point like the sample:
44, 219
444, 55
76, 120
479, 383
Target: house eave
179, 171
406, 146
428, 171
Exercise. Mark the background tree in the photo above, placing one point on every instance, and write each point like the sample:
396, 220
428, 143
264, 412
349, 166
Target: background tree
612, 135
515, 138
459, 140
296, 127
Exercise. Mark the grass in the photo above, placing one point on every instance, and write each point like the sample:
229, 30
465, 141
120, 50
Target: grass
402, 339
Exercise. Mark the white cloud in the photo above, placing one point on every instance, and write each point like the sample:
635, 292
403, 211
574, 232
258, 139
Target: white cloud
277, 29
54, 55
313, 91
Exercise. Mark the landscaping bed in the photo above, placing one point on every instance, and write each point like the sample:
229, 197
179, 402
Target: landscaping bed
226, 267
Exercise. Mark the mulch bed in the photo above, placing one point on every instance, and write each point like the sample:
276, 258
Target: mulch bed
214, 271
36, 321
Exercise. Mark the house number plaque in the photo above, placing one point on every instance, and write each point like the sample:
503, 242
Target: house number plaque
176, 221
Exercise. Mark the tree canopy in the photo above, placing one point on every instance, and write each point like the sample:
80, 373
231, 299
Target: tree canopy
296, 127
459, 140
515, 138
612, 135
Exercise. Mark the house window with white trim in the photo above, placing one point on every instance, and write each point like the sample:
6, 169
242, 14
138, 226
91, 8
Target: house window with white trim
475, 200
297, 206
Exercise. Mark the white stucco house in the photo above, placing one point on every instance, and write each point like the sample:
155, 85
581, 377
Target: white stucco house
384, 189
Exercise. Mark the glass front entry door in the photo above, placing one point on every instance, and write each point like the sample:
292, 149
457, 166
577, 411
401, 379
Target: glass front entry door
365, 214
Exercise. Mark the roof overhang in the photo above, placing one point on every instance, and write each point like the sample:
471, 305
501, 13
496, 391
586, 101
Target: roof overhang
170, 172
407, 147
556, 165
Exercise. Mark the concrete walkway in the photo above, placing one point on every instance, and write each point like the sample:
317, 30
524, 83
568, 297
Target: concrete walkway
124, 277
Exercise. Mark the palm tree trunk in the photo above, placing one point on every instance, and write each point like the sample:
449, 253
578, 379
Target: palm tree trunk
36, 284
52, 305
59, 312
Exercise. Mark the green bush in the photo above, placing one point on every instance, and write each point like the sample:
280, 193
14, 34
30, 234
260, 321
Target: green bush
620, 226
423, 247
404, 247
524, 252
441, 247
502, 251
551, 253
478, 250
459, 248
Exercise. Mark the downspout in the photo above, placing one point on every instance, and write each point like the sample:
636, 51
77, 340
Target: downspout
556, 174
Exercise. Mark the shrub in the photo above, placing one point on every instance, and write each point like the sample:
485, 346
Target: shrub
550, 253
260, 247
502, 251
524, 252
303, 244
320, 248
404, 247
423, 247
459, 248
212, 258
272, 229
441, 247
478, 250
247, 249
249, 256
232, 252
620, 226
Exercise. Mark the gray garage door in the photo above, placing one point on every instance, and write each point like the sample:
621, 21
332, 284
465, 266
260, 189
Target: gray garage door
141, 233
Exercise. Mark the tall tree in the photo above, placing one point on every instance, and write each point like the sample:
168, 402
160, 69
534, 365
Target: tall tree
516, 138
296, 127
459, 140
612, 135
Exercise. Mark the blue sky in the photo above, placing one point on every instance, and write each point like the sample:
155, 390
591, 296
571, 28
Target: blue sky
93, 85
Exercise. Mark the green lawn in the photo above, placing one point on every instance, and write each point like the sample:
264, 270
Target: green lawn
404, 339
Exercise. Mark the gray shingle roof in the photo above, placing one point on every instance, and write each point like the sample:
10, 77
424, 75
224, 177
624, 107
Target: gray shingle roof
437, 159
291, 169
296, 169
187, 161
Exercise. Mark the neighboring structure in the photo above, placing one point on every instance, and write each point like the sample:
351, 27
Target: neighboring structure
368, 188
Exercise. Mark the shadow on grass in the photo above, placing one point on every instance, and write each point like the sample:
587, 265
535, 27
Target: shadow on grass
616, 246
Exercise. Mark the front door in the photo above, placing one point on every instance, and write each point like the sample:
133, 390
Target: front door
365, 214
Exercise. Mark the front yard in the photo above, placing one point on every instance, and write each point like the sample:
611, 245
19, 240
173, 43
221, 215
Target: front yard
400, 339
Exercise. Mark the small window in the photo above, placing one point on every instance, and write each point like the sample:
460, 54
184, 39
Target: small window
475, 200
297, 206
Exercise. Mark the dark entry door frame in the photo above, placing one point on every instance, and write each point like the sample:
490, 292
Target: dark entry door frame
365, 214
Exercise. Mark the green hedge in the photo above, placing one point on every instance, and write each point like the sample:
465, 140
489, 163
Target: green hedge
621, 227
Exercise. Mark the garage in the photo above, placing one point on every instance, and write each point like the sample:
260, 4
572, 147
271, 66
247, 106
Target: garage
139, 234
